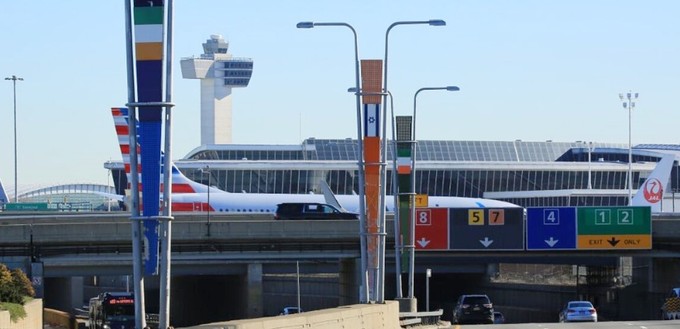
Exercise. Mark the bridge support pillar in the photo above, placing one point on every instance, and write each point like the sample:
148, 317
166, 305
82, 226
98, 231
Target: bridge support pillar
255, 302
664, 274
64, 293
407, 305
349, 281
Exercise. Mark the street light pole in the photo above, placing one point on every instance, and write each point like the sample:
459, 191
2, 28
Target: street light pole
397, 247
630, 104
428, 274
411, 246
590, 169
432, 22
364, 298
14, 79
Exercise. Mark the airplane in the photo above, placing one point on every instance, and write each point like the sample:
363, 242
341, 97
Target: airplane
651, 192
189, 196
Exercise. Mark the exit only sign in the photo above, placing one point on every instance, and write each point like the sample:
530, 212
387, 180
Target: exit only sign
614, 228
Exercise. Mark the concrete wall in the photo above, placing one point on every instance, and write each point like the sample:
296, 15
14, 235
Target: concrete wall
56, 318
360, 316
33, 319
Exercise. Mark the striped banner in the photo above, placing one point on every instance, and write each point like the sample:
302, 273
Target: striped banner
149, 18
371, 78
404, 186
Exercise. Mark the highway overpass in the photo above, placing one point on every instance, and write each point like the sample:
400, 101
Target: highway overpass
242, 249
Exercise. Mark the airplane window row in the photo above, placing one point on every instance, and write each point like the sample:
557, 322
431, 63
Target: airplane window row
245, 210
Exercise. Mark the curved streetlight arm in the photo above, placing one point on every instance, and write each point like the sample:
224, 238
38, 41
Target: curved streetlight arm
431, 22
415, 98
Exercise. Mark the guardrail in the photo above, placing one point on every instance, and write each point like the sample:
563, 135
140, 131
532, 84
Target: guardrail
408, 319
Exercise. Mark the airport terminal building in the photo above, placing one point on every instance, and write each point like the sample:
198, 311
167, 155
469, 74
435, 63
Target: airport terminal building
525, 173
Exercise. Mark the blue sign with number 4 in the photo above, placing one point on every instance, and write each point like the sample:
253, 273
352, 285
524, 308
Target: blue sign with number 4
551, 228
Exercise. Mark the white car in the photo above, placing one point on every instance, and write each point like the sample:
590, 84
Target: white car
578, 311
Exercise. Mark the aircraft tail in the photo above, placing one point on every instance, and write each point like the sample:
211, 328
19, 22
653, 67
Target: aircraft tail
329, 197
652, 190
3, 195
180, 183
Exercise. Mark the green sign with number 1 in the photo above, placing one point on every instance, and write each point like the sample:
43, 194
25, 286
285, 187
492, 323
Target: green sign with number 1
614, 220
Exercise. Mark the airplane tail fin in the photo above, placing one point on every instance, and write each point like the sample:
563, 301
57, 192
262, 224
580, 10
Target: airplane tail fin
329, 197
3, 195
652, 190
180, 183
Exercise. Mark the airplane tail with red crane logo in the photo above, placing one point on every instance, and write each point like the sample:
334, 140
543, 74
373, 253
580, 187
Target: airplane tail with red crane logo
651, 192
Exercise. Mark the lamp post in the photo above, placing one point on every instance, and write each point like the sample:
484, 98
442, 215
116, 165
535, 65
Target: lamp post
411, 246
428, 274
206, 170
14, 80
590, 169
297, 270
589, 148
629, 102
394, 190
432, 22
360, 157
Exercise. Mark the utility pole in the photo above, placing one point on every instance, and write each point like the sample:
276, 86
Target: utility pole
14, 79
629, 102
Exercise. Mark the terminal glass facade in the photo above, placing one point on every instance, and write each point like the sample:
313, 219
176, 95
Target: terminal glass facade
443, 168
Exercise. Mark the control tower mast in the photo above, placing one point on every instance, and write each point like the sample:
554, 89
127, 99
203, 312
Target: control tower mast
219, 72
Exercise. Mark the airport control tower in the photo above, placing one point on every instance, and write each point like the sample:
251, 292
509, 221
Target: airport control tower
219, 72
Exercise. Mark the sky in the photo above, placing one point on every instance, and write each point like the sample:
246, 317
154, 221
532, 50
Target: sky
533, 70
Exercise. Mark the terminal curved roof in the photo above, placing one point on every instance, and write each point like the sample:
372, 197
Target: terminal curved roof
427, 150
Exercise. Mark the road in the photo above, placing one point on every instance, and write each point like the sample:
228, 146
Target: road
649, 324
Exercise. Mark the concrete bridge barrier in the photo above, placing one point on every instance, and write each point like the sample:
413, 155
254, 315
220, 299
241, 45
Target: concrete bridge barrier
359, 316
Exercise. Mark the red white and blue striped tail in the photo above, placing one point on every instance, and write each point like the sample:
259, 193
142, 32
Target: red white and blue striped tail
180, 183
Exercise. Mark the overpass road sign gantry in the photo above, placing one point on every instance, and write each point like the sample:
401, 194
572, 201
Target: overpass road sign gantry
469, 229
589, 228
551, 228
614, 228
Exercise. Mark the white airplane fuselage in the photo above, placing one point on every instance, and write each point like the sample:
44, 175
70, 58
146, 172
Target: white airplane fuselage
266, 203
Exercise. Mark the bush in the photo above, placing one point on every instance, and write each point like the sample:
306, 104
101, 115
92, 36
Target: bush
22, 283
14, 286
6, 285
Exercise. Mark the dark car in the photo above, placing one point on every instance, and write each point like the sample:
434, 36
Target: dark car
288, 211
498, 318
473, 309
290, 310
